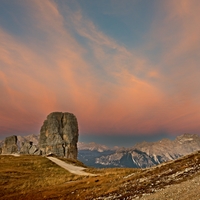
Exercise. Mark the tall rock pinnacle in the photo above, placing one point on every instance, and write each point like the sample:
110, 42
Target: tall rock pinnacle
59, 135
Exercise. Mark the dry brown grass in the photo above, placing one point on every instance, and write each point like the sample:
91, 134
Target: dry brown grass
24, 174
35, 177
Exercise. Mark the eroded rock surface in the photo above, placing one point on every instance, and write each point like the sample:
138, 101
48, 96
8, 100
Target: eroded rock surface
10, 145
59, 135
25, 147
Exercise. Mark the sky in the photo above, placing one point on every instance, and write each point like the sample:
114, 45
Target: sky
126, 69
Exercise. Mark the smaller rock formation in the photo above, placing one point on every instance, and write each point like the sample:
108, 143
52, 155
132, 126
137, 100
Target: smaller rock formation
25, 147
21, 145
59, 135
10, 145
29, 148
28, 144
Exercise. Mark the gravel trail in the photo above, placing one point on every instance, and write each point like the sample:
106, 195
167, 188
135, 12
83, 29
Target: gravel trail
71, 168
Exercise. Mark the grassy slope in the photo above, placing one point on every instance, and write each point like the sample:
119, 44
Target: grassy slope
29, 174
35, 177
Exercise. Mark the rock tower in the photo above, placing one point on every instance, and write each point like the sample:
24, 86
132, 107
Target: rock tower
59, 135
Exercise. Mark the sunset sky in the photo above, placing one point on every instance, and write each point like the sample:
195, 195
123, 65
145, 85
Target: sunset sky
126, 69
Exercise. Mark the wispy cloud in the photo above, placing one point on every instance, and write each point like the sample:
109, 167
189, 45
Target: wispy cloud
67, 63
176, 34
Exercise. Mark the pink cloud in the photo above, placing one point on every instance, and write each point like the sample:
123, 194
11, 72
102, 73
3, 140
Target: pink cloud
105, 92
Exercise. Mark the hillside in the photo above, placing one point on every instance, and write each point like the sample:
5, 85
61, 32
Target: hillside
36, 177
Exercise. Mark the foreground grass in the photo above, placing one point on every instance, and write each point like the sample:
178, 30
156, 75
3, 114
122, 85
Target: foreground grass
35, 177
25, 174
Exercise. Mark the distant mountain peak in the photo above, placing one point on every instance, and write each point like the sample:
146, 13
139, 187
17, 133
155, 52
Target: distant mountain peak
145, 154
92, 146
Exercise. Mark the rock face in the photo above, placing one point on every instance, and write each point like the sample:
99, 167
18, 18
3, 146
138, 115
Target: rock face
59, 135
10, 145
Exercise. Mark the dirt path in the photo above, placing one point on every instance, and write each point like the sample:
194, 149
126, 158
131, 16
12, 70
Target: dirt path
71, 168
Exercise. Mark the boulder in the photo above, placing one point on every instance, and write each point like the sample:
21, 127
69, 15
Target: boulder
38, 152
10, 145
59, 135
33, 149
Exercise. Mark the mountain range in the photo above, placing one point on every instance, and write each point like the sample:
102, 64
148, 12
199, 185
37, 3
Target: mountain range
141, 155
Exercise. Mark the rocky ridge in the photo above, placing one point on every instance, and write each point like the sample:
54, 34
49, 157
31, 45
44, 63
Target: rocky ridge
21, 145
144, 154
